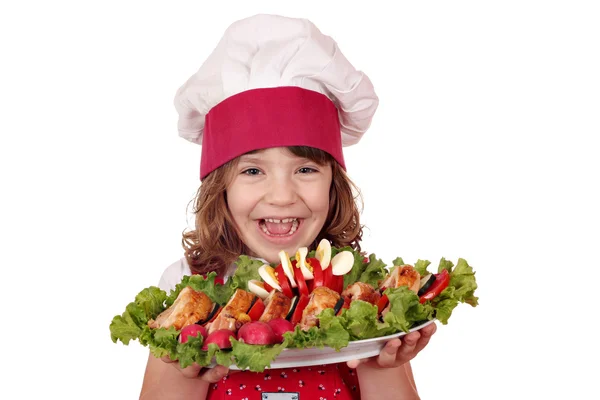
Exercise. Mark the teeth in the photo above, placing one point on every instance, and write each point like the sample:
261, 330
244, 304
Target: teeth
292, 230
279, 221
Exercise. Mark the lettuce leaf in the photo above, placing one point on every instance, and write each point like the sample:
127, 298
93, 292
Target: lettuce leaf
254, 357
360, 321
374, 272
421, 267
129, 325
463, 280
405, 309
247, 269
216, 292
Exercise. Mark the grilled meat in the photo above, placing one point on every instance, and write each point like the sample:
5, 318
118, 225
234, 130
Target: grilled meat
189, 307
361, 291
405, 275
233, 315
321, 298
277, 305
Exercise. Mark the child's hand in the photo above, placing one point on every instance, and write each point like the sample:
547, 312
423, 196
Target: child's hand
397, 352
211, 375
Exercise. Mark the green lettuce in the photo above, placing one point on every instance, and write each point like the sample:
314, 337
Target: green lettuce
374, 271
247, 269
255, 357
359, 321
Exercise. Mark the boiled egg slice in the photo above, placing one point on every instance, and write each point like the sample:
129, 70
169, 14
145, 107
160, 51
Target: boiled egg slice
323, 253
301, 263
342, 263
287, 267
258, 288
267, 273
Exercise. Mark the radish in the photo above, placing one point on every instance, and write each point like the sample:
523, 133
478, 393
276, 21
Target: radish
256, 332
279, 327
193, 330
220, 338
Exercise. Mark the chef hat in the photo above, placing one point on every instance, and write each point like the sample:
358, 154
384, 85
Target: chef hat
274, 81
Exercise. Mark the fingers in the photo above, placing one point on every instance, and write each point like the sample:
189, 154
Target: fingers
387, 357
191, 371
407, 350
426, 334
213, 375
167, 359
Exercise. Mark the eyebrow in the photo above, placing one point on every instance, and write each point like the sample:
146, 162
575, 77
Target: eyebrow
250, 158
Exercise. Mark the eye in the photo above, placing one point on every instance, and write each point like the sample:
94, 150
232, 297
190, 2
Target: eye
307, 170
251, 171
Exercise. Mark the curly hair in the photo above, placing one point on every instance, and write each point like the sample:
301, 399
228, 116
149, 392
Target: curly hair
215, 242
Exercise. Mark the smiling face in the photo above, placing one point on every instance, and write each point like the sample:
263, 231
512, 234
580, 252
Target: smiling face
278, 201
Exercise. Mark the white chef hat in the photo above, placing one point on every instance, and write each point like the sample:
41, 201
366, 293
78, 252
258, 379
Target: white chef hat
274, 81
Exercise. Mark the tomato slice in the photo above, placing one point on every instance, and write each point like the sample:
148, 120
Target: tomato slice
297, 316
302, 288
442, 280
382, 303
319, 279
283, 282
256, 310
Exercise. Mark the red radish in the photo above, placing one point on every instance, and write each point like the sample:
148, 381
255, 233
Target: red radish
279, 327
192, 330
220, 338
256, 332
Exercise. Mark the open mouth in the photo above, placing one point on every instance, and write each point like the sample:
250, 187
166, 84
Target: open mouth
279, 227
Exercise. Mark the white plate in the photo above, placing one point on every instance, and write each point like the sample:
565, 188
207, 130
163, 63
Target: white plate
314, 356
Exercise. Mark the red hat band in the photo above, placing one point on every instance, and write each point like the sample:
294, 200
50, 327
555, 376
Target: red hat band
269, 117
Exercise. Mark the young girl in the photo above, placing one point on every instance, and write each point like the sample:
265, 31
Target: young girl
272, 107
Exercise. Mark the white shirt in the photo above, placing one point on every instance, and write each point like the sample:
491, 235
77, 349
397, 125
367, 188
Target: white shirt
175, 272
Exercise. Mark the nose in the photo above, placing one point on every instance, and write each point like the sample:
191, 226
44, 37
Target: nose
281, 191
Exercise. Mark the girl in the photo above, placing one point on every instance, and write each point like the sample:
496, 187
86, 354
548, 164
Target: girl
272, 107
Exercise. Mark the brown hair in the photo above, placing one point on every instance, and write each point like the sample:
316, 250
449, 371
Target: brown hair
215, 243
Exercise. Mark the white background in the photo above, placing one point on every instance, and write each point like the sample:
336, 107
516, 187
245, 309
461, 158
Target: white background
484, 147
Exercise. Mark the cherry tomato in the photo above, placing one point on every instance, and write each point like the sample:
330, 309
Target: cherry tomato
256, 310
286, 289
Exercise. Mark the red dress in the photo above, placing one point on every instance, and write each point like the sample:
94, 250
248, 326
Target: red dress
320, 382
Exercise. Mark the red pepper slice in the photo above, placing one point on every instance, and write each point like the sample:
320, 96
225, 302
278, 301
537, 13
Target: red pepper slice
382, 303
442, 280
302, 288
346, 305
328, 278
337, 283
215, 315
319, 279
283, 282
297, 315
256, 310
268, 287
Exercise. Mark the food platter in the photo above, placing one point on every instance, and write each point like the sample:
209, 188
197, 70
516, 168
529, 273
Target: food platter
315, 356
